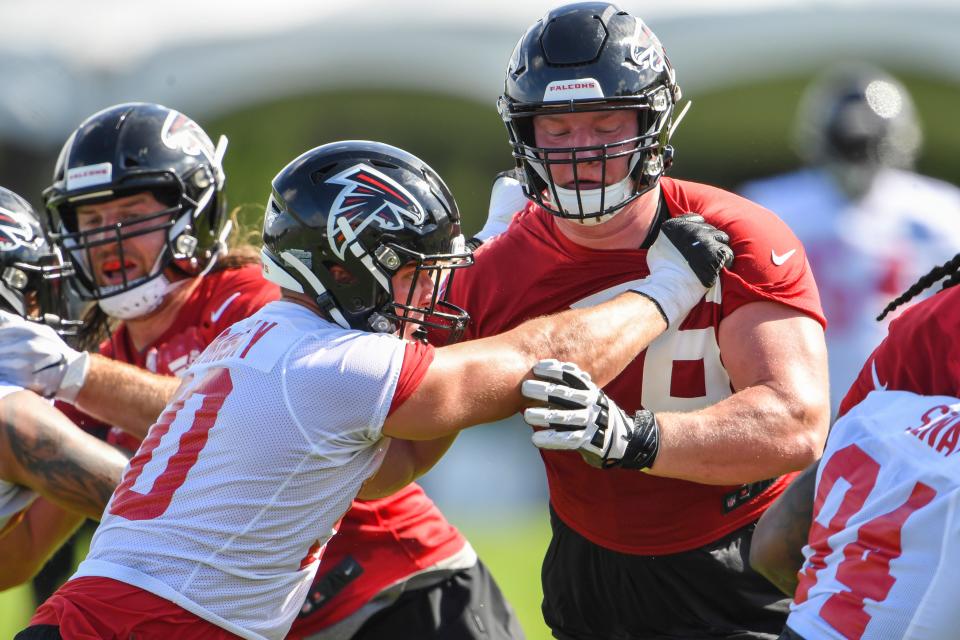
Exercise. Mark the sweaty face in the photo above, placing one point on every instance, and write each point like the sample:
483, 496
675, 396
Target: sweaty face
142, 238
590, 129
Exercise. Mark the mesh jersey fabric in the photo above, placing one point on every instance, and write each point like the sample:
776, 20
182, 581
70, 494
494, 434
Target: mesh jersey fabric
882, 558
282, 417
221, 298
392, 538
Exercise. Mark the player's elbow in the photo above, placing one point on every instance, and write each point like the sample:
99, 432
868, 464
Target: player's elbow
809, 418
806, 447
759, 555
767, 566
779, 576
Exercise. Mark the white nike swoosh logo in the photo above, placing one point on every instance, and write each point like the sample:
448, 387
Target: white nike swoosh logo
226, 303
876, 377
779, 260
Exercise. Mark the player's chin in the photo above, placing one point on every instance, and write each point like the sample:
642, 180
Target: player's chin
409, 330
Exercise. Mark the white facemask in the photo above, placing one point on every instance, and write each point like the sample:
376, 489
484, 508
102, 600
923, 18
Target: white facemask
140, 300
590, 199
611, 195
144, 298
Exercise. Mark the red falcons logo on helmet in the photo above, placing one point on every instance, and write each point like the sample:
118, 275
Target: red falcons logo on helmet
14, 232
368, 197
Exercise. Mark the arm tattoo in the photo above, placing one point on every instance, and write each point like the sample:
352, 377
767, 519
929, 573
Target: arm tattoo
73, 469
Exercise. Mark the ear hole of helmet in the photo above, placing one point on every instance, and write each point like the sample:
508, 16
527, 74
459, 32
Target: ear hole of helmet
340, 274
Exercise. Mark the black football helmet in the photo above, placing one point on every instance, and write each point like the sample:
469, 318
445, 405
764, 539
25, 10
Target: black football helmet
32, 271
590, 57
132, 148
855, 119
345, 217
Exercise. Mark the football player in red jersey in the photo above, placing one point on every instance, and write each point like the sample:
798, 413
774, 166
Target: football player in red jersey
921, 355
652, 543
217, 527
137, 206
52, 474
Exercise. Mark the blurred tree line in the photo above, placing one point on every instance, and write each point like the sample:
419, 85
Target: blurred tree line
728, 136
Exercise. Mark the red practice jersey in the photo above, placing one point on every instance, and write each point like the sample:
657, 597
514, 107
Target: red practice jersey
923, 334
532, 270
221, 299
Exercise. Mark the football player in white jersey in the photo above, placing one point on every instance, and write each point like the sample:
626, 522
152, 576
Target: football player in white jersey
217, 526
876, 517
870, 225
52, 474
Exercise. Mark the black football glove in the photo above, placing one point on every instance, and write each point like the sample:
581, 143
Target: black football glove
684, 261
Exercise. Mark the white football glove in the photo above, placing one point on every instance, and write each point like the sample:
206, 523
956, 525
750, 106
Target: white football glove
506, 199
34, 357
580, 417
684, 261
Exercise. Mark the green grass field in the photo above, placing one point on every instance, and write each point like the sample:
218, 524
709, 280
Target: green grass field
512, 550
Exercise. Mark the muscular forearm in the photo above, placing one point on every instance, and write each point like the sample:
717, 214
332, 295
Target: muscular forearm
144, 395
479, 381
603, 340
25, 549
43, 450
781, 533
757, 433
777, 419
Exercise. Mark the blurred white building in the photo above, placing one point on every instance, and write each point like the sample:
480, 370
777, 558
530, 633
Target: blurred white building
61, 60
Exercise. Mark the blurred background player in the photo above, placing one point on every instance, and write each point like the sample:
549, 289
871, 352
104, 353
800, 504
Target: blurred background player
360, 236
737, 389
877, 513
869, 223
52, 474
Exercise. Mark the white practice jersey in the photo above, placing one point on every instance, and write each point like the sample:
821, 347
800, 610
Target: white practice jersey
14, 498
863, 253
226, 506
883, 554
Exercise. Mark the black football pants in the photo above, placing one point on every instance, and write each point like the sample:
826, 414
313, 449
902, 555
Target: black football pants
593, 593
466, 606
